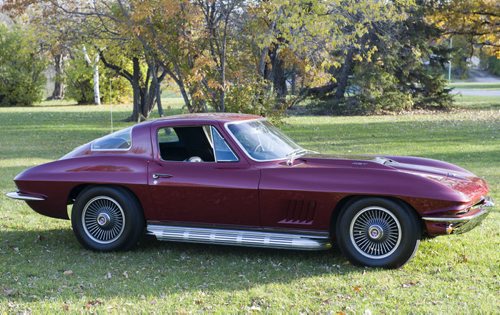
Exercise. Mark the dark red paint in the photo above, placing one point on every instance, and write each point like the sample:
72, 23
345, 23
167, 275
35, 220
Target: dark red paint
303, 196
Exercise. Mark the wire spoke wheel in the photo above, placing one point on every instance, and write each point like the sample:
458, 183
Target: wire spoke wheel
375, 232
103, 219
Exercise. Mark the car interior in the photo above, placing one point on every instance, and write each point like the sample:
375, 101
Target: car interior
190, 144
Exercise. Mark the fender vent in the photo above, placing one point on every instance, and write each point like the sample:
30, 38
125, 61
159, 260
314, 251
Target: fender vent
300, 212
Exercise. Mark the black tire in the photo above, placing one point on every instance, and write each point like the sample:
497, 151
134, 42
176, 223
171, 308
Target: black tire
378, 232
107, 219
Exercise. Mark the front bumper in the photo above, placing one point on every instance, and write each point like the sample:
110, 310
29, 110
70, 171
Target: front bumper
458, 225
27, 197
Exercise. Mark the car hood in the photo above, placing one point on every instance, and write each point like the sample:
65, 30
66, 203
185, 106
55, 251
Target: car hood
454, 177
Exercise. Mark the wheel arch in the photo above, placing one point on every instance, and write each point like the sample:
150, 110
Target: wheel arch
348, 200
75, 191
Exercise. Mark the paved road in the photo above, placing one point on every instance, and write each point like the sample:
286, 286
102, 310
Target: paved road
476, 75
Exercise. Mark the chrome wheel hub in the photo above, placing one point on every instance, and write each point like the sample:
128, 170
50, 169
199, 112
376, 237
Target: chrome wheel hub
103, 220
375, 232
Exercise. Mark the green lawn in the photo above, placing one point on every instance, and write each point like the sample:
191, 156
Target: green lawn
476, 85
477, 102
44, 270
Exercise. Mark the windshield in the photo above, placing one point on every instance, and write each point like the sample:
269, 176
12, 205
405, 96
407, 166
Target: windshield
262, 141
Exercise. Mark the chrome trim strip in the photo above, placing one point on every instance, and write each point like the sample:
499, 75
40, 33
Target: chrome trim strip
463, 219
238, 237
20, 196
488, 202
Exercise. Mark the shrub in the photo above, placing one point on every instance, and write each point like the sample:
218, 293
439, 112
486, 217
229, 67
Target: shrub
22, 67
80, 83
253, 97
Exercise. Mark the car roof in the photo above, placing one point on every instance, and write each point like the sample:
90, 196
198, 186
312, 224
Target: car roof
208, 117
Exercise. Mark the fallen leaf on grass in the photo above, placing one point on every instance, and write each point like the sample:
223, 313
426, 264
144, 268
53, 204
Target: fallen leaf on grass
93, 303
464, 258
409, 284
357, 289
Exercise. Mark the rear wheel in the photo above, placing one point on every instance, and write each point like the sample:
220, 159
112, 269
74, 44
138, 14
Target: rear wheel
378, 232
107, 219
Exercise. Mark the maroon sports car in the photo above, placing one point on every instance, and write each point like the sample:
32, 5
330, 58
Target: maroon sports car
237, 180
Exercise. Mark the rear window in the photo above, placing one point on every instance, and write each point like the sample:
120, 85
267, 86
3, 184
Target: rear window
120, 140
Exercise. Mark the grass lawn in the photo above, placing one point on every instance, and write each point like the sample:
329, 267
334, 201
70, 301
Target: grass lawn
477, 102
475, 85
44, 270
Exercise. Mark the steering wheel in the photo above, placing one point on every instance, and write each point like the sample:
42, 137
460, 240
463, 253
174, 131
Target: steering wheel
195, 159
258, 148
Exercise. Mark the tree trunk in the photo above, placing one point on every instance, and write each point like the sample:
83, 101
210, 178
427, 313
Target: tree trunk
136, 112
177, 77
95, 68
293, 84
343, 77
97, 92
158, 99
58, 92
279, 79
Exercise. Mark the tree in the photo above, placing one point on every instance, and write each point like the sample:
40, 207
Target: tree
80, 80
222, 53
21, 67
479, 20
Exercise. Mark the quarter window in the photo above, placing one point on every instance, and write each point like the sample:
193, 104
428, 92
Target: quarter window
223, 152
120, 140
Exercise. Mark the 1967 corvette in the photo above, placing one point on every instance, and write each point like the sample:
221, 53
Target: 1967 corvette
235, 179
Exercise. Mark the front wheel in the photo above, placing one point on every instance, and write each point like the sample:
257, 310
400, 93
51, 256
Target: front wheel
107, 219
378, 232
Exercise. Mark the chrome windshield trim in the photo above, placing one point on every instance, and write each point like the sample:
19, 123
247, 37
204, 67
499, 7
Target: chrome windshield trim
20, 196
241, 146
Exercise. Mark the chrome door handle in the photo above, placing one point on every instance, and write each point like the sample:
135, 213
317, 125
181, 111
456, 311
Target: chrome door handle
157, 175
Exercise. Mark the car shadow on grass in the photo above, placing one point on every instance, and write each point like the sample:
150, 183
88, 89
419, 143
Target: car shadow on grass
50, 264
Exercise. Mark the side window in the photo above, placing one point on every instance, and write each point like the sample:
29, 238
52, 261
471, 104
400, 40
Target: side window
188, 144
193, 144
167, 135
223, 152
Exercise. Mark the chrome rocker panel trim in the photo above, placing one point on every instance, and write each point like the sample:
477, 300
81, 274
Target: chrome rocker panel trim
239, 237
21, 196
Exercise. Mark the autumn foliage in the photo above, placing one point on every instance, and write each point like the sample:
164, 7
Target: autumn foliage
267, 56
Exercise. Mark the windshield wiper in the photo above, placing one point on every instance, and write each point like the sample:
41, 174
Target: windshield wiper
293, 155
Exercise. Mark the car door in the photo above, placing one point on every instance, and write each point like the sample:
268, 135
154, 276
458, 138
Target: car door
221, 189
